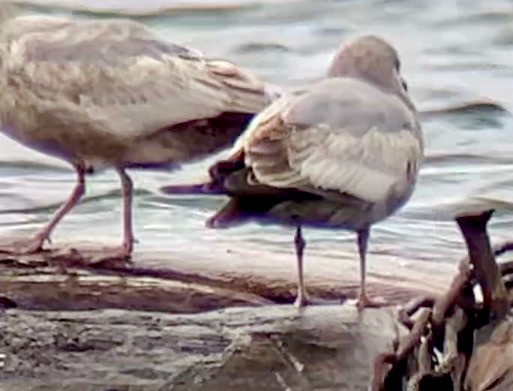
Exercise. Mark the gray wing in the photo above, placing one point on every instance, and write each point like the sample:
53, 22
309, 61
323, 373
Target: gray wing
112, 42
342, 135
118, 72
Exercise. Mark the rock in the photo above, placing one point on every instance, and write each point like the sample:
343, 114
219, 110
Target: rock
272, 348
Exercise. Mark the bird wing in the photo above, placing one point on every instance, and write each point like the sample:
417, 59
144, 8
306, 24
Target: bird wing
341, 135
119, 72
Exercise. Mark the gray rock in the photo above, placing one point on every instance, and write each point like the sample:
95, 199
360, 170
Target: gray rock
272, 348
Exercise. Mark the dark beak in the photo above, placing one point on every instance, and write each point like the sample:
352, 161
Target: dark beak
405, 86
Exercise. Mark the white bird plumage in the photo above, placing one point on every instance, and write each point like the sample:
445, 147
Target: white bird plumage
111, 93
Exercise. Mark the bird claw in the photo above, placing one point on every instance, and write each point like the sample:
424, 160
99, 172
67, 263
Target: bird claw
24, 246
125, 251
364, 302
121, 254
303, 301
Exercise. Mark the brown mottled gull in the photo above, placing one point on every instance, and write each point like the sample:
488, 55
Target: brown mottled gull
110, 93
343, 153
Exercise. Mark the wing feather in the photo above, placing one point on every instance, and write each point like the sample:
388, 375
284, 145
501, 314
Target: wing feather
335, 155
118, 72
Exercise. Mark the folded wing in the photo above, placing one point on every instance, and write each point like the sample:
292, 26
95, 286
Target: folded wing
119, 72
341, 136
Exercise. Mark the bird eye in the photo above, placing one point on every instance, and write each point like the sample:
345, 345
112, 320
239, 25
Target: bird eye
397, 64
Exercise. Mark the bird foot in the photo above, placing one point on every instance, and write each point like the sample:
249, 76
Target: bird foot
124, 252
302, 301
24, 246
364, 302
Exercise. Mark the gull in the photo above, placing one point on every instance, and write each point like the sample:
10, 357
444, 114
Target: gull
342, 153
112, 94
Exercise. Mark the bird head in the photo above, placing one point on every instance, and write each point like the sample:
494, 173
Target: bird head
373, 59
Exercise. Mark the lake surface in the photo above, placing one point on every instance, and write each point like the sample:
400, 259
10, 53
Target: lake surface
451, 52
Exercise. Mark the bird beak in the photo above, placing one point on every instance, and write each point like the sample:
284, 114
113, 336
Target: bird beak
404, 84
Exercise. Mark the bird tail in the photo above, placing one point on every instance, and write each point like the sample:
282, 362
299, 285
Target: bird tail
237, 209
214, 183
230, 215
248, 94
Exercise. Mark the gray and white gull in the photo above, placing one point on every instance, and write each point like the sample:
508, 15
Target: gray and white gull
342, 153
111, 93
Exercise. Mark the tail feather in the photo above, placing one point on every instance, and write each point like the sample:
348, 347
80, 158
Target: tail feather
214, 183
229, 215
238, 210
248, 94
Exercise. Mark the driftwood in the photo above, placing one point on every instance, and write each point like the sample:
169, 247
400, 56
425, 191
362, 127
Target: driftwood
83, 276
460, 340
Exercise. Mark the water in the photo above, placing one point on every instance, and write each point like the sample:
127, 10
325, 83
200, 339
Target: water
451, 51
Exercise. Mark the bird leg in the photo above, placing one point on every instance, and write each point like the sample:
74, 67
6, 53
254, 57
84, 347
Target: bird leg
300, 244
302, 299
363, 299
128, 233
35, 243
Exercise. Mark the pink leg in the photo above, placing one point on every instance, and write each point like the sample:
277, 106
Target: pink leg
300, 244
302, 299
35, 243
128, 233
363, 300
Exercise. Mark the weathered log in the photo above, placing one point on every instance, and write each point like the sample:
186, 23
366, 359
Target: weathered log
86, 276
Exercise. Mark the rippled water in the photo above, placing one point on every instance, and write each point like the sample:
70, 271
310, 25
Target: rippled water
451, 51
